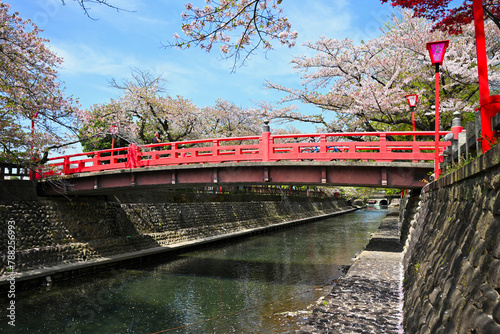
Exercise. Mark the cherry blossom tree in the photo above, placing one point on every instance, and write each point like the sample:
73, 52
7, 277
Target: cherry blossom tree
153, 110
259, 22
29, 91
142, 110
101, 122
364, 85
225, 119
449, 17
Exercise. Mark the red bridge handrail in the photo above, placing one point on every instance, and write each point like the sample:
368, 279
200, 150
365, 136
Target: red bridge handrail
325, 147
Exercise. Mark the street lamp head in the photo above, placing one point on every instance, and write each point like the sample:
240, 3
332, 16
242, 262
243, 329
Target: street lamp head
412, 100
437, 50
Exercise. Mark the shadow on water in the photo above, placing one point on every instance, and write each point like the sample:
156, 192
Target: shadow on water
263, 272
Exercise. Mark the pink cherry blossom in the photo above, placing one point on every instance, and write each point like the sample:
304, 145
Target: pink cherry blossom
362, 86
30, 87
241, 26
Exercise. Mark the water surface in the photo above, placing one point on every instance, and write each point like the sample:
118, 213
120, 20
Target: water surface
246, 286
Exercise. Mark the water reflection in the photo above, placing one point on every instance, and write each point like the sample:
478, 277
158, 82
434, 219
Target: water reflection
239, 287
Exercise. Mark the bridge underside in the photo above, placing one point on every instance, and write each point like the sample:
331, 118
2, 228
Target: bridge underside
336, 173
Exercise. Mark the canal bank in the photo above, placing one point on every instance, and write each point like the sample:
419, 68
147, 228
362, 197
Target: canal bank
452, 252
369, 298
61, 238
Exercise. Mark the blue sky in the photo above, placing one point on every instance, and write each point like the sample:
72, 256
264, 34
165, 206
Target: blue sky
95, 51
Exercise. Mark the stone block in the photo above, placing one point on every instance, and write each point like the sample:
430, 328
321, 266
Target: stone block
465, 274
484, 324
449, 286
492, 234
495, 181
486, 221
494, 203
489, 298
450, 328
494, 274
466, 242
477, 250
466, 320
496, 312
434, 296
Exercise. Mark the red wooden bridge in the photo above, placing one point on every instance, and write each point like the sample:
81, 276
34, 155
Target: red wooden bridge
346, 159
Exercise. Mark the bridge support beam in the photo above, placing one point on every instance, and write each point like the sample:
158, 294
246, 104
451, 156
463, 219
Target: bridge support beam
323, 175
338, 173
266, 174
174, 177
383, 176
215, 176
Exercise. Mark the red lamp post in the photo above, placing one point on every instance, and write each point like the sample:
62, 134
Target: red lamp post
112, 129
412, 102
489, 104
436, 51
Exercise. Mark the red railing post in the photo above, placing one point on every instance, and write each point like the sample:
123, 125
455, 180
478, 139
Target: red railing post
215, 148
265, 141
66, 166
383, 146
81, 166
97, 160
322, 145
383, 143
415, 148
173, 153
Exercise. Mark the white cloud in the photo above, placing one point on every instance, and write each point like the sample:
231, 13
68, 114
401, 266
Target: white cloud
85, 59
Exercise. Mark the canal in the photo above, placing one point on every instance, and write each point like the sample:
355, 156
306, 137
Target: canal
259, 284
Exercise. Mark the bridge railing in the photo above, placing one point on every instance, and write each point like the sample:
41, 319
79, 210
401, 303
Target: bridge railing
10, 171
318, 147
336, 146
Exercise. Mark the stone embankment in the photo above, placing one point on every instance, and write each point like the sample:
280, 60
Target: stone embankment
452, 254
62, 235
368, 299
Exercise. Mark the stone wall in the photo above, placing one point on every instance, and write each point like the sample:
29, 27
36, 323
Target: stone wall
57, 231
452, 254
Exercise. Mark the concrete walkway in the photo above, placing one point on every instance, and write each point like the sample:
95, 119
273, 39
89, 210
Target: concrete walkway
369, 299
